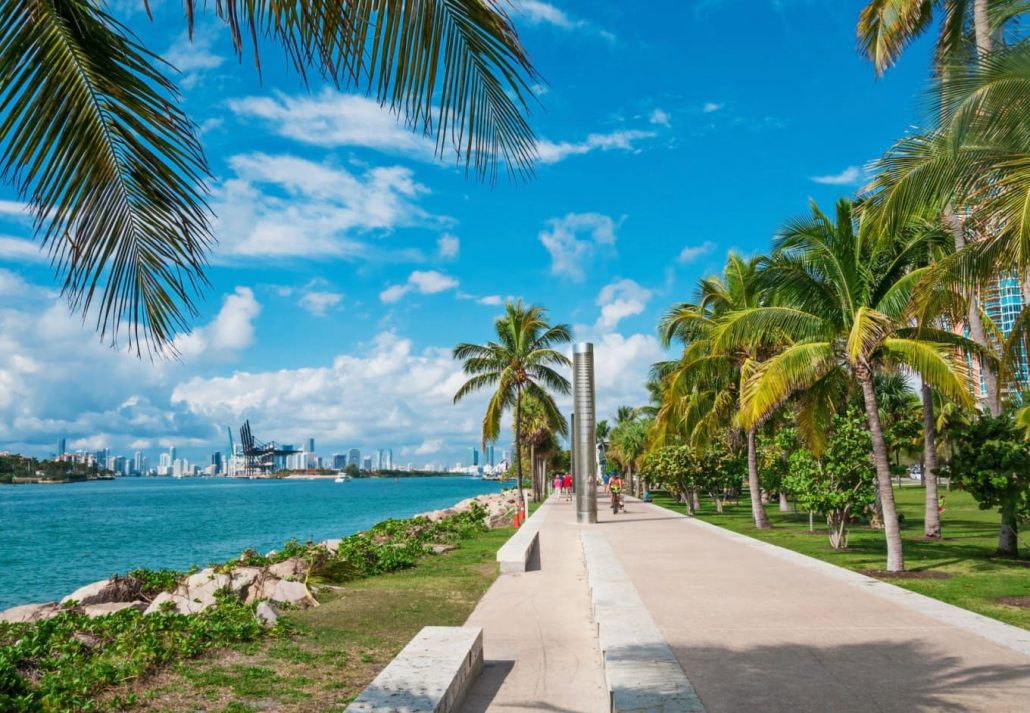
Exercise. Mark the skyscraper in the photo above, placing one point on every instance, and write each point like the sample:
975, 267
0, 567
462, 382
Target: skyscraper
311, 445
137, 463
488, 456
216, 461
62, 446
366, 463
354, 458
473, 456
171, 454
389, 459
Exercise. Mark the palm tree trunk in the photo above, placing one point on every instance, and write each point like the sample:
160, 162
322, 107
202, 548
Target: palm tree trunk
784, 505
757, 511
895, 553
932, 519
532, 471
982, 26
518, 441
976, 325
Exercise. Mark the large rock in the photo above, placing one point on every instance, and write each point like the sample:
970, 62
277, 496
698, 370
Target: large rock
242, 579
331, 545
293, 567
179, 603
105, 608
116, 589
30, 612
266, 614
283, 592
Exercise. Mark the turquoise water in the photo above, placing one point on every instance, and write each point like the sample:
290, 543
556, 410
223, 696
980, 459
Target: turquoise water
55, 538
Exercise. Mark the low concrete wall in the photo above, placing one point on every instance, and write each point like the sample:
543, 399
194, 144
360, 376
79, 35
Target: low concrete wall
641, 670
515, 554
430, 675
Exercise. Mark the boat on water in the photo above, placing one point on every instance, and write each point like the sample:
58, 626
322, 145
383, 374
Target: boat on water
341, 479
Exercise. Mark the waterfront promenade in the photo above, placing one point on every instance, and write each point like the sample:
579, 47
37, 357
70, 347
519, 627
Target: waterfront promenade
753, 627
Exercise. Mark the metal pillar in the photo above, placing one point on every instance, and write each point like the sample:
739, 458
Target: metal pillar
584, 432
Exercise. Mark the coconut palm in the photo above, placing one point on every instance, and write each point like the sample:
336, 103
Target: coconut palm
887, 27
520, 363
96, 143
701, 396
629, 444
845, 299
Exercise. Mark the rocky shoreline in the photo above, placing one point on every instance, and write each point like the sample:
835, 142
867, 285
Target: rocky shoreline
272, 586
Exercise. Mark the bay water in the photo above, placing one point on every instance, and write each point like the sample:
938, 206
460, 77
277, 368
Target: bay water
55, 538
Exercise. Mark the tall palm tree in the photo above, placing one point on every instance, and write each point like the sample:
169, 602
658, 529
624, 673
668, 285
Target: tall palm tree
702, 388
886, 28
95, 141
520, 363
845, 299
624, 414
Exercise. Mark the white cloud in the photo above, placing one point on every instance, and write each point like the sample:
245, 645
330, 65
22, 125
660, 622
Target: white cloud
318, 302
693, 252
412, 391
448, 246
536, 12
282, 205
427, 282
19, 250
331, 119
432, 445
570, 252
660, 117
711, 107
622, 140
490, 300
232, 329
619, 300
852, 175
11, 283
197, 57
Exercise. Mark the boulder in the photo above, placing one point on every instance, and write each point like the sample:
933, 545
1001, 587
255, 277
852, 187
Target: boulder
242, 579
30, 612
283, 592
266, 614
182, 605
440, 549
105, 608
116, 589
292, 567
331, 545
199, 588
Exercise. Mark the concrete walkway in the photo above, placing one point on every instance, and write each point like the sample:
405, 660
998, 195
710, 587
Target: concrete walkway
539, 644
756, 632
754, 628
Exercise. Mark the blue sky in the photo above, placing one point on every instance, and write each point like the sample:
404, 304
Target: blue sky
350, 261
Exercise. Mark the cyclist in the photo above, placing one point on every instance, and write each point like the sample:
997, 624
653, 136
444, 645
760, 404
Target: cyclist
615, 491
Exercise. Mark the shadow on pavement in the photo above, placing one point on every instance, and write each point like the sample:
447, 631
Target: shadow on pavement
883, 676
485, 688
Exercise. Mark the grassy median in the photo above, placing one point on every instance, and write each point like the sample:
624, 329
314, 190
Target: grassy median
961, 569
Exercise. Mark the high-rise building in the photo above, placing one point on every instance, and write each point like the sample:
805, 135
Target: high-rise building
339, 461
354, 458
366, 463
311, 445
473, 456
62, 447
171, 454
137, 463
216, 461
489, 455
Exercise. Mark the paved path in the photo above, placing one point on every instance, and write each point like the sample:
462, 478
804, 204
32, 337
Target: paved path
539, 644
756, 632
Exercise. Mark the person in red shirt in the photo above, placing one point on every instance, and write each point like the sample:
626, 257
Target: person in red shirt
566, 486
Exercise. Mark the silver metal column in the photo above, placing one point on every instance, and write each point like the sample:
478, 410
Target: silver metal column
584, 432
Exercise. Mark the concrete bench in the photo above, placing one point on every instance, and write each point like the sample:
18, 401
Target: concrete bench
515, 554
430, 675
640, 668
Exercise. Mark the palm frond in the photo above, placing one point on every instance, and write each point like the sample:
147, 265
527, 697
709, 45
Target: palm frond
775, 380
94, 139
935, 363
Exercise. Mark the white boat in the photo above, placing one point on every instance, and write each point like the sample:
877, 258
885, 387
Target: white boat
341, 479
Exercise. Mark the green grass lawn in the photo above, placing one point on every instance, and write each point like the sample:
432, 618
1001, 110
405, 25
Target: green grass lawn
977, 579
336, 649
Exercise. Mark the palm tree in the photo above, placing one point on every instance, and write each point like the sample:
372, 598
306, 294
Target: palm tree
95, 141
538, 433
520, 363
885, 29
624, 414
702, 388
629, 444
845, 300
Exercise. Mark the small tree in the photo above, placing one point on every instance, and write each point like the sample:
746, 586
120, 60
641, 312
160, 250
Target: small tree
674, 468
718, 470
991, 460
774, 462
842, 482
